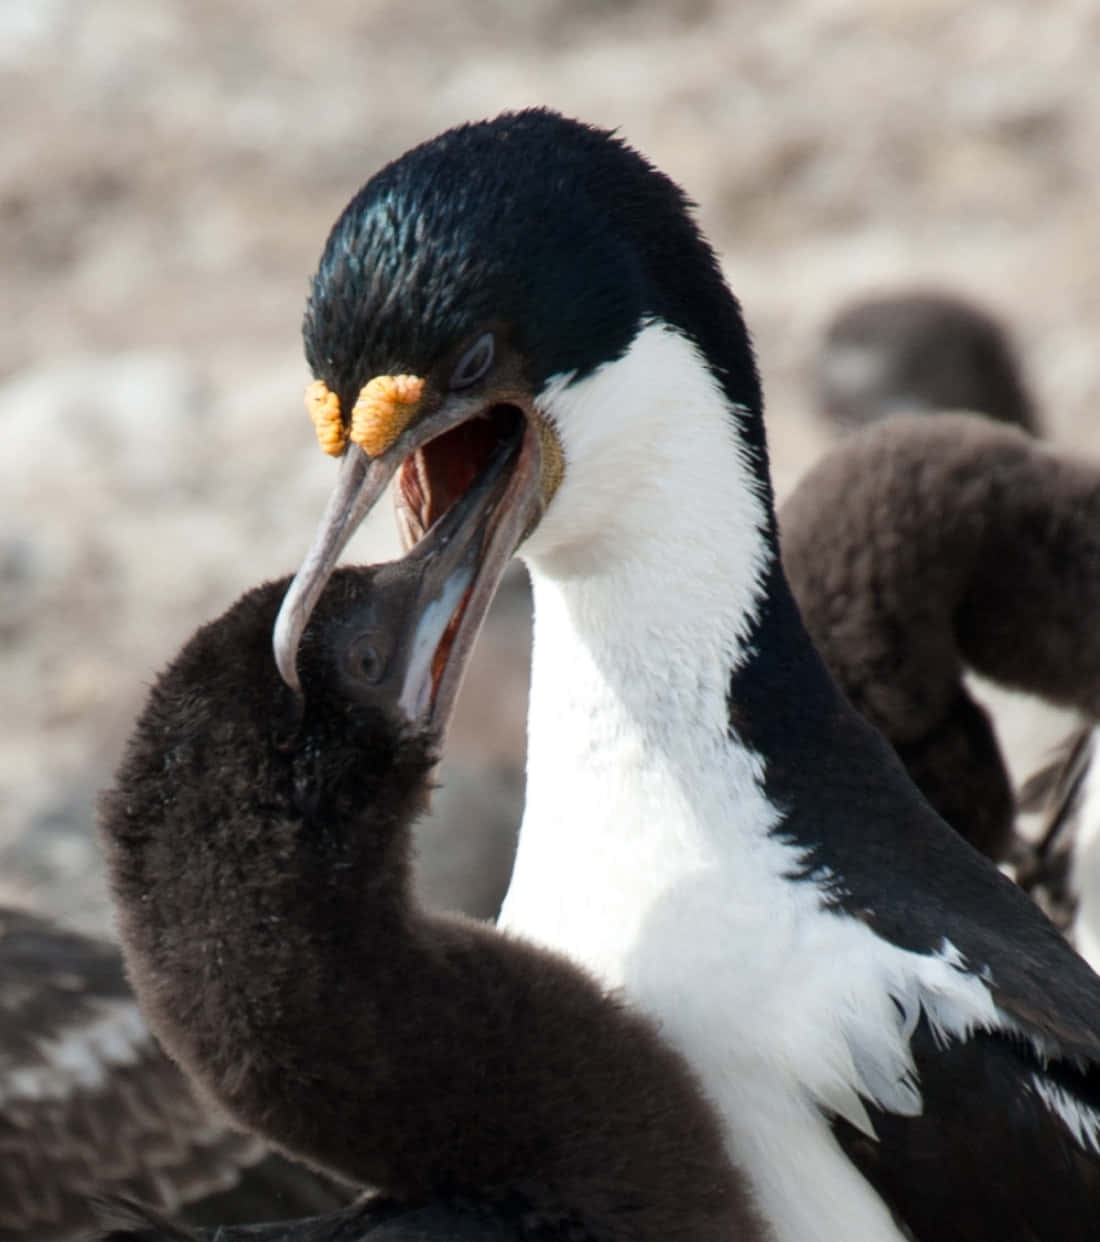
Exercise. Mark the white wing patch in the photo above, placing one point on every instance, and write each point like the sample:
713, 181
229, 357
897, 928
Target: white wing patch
1079, 1119
955, 998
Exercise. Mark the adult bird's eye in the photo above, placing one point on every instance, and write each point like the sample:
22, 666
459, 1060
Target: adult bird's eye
474, 362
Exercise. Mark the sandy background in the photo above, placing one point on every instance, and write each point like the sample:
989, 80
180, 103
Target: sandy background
168, 173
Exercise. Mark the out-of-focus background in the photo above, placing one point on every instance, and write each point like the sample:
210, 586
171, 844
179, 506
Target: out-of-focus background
169, 171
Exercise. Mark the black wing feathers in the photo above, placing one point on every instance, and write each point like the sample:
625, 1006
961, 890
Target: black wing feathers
988, 1160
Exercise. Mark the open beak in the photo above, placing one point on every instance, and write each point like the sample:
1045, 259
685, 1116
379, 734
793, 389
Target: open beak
468, 490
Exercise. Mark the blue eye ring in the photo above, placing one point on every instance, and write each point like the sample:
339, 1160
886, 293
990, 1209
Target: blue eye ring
474, 363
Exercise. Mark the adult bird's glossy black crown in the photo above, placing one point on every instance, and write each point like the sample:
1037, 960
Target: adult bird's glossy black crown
551, 233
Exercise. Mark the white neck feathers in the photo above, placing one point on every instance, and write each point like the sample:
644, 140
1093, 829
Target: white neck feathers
652, 554
648, 570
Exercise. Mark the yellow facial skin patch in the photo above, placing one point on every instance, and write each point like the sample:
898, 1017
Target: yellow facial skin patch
384, 409
324, 410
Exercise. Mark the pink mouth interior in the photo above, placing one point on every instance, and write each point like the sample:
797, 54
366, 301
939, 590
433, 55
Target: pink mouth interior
433, 477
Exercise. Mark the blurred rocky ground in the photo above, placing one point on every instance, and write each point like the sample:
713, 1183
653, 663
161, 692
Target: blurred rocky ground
169, 171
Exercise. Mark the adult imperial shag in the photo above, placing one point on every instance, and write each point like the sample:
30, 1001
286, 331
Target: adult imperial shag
899, 1043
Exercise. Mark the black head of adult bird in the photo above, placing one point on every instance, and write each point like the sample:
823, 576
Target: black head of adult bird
710, 825
919, 350
919, 548
258, 850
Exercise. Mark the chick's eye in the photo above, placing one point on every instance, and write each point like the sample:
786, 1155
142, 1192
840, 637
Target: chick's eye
365, 660
474, 362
